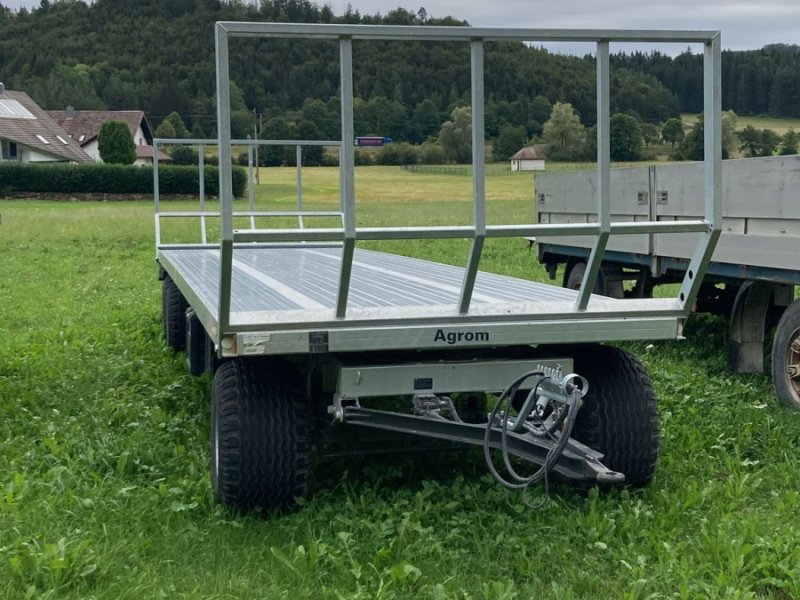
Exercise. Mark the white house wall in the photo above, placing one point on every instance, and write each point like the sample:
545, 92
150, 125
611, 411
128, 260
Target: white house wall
527, 165
29, 155
93, 148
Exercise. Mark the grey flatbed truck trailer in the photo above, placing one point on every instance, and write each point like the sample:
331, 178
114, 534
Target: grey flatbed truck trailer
303, 330
754, 269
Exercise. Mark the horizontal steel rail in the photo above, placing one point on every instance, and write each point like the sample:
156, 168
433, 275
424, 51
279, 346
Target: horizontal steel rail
248, 213
460, 34
466, 232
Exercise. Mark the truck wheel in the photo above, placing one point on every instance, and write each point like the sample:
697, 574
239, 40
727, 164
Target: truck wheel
173, 314
259, 456
608, 283
619, 416
786, 357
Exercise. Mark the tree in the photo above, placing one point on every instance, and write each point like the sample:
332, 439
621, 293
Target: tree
650, 134
563, 133
728, 132
750, 139
165, 131
692, 147
768, 141
789, 143
312, 155
625, 138
115, 143
178, 125
509, 141
455, 136
425, 121
672, 131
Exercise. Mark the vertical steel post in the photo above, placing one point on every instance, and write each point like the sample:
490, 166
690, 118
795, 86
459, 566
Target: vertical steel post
299, 160
156, 197
201, 164
712, 149
347, 174
603, 175
478, 176
225, 184
251, 184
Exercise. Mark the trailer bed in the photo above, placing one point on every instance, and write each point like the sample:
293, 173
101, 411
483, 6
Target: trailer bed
283, 299
273, 280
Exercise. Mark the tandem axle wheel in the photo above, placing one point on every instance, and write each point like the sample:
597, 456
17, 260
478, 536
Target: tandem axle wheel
597, 430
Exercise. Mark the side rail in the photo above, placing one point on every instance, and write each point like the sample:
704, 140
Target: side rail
204, 215
708, 227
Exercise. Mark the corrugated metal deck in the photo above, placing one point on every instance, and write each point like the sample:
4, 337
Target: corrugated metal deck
283, 279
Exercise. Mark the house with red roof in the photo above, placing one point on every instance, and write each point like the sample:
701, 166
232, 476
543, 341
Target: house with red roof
29, 134
84, 126
528, 159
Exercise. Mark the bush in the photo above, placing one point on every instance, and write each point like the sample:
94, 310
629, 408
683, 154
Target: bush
431, 153
93, 178
183, 155
397, 153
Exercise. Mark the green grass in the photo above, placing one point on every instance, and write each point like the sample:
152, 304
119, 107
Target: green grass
104, 484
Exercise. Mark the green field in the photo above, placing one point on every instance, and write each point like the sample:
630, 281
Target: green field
778, 125
104, 483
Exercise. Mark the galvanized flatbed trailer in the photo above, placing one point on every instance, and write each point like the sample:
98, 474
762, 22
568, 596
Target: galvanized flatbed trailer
304, 330
753, 271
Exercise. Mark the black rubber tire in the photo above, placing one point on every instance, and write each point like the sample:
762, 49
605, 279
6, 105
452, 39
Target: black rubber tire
574, 277
786, 357
173, 314
619, 415
608, 283
259, 453
196, 341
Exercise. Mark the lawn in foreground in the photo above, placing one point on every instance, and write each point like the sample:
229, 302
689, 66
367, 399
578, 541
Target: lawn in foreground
105, 492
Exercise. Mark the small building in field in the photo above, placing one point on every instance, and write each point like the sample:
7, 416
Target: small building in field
528, 159
84, 127
28, 134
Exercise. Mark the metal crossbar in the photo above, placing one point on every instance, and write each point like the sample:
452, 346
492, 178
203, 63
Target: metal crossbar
252, 214
346, 35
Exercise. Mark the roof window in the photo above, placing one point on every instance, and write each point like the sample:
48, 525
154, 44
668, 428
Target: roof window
42, 139
62, 140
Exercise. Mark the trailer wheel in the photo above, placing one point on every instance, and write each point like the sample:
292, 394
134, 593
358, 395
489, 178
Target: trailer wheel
259, 456
173, 314
619, 416
786, 357
608, 283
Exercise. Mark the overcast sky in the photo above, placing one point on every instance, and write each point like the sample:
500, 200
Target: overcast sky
744, 24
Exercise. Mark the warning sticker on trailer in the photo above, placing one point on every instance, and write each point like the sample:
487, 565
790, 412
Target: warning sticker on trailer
317, 341
251, 345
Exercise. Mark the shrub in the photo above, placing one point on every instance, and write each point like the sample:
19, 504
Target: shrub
115, 143
398, 153
183, 155
93, 178
431, 153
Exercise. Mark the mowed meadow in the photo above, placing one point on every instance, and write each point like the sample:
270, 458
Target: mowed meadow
104, 483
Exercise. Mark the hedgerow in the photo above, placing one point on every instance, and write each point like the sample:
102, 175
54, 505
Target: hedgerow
62, 178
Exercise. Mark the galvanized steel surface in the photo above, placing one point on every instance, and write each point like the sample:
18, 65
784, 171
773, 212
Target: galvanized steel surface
270, 279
